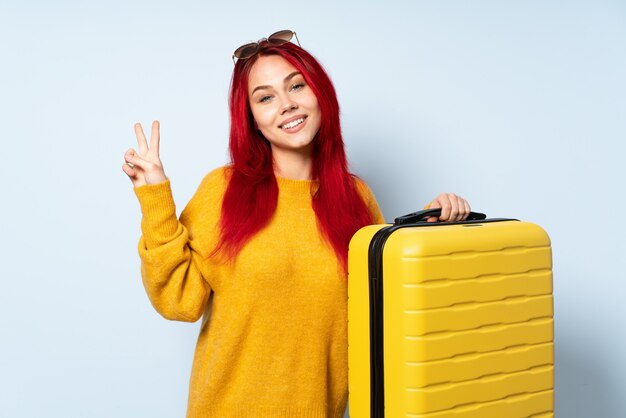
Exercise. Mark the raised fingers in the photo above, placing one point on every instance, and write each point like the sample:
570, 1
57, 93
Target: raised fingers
155, 137
141, 139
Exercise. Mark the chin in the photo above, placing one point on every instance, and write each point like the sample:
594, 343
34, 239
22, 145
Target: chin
294, 146
296, 143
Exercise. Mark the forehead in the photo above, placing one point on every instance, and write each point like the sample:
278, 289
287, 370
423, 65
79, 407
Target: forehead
269, 71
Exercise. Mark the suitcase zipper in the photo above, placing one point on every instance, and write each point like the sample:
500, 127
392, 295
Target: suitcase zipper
375, 264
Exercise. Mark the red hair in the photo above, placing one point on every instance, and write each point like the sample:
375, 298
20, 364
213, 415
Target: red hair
252, 192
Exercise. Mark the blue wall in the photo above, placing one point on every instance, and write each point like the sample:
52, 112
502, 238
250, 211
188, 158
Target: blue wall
519, 106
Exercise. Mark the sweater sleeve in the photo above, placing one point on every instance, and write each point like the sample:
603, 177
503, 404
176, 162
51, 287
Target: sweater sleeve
173, 270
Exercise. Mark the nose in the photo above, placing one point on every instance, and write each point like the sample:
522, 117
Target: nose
287, 106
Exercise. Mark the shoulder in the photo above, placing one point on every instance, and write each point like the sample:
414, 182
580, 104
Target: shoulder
362, 186
216, 180
207, 197
219, 174
212, 186
368, 197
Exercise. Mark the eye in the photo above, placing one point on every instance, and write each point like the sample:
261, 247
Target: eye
264, 99
297, 86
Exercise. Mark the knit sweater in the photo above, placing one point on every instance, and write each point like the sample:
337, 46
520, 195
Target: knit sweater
273, 340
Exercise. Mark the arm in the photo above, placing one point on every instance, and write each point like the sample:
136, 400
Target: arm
377, 214
370, 201
172, 268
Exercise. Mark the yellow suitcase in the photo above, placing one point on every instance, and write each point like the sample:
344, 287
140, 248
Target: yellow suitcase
450, 320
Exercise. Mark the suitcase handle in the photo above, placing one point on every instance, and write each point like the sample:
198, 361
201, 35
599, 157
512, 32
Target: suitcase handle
420, 216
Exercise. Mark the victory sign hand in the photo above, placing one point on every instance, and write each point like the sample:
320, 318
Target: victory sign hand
145, 167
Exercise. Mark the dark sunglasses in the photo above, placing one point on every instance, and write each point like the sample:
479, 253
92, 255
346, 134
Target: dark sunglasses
277, 38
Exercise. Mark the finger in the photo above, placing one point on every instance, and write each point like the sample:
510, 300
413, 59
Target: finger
446, 206
128, 170
433, 205
468, 209
455, 212
141, 139
454, 207
155, 137
136, 160
128, 156
463, 212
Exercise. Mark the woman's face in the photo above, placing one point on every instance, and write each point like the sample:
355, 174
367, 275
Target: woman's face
284, 107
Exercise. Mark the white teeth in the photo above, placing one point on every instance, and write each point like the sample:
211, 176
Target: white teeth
293, 123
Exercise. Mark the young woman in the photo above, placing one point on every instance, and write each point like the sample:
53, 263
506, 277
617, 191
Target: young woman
260, 251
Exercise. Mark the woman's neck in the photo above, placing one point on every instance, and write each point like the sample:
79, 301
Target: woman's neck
294, 165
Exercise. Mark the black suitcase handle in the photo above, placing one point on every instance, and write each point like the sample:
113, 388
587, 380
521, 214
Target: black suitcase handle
420, 216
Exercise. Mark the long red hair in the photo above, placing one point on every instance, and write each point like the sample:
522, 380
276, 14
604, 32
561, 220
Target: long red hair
252, 192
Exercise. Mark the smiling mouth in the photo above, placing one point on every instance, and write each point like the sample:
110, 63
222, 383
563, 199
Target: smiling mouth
293, 123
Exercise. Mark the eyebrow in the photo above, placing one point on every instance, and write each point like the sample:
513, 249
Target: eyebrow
289, 77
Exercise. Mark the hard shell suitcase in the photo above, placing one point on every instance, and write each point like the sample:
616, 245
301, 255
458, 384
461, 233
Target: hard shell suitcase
450, 319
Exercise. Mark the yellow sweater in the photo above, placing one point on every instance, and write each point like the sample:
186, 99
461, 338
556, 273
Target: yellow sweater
273, 340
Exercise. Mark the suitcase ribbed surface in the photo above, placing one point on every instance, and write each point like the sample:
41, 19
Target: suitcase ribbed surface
467, 320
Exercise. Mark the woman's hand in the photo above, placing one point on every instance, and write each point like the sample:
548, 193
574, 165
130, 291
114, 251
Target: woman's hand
145, 167
453, 207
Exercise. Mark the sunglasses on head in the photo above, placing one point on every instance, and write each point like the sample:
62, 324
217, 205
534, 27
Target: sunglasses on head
277, 38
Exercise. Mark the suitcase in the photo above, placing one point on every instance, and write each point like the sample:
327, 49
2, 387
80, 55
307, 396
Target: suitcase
450, 319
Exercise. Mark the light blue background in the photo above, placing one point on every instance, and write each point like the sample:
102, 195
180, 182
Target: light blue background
518, 106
